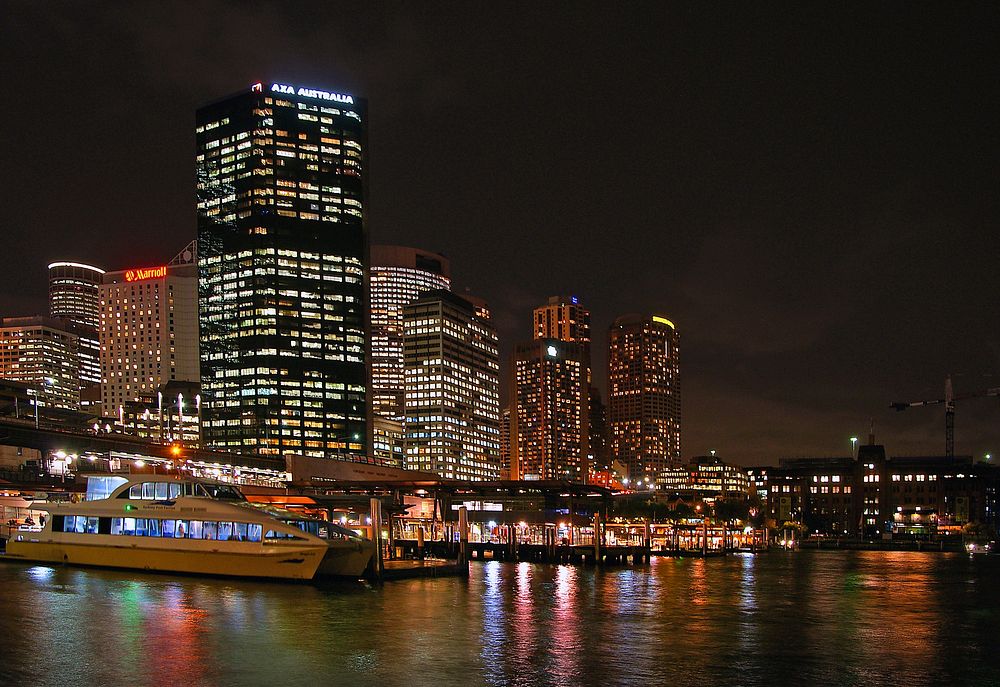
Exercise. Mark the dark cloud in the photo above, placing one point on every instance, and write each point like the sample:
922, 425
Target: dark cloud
808, 192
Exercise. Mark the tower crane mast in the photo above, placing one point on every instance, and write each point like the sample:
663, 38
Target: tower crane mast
949, 409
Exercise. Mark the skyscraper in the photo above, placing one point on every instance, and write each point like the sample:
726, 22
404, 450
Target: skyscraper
149, 330
74, 293
550, 411
398, 276
282, 272
550, 388
644, 395
452, 380
74, 296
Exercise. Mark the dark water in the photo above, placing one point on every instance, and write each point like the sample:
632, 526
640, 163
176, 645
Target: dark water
844, 618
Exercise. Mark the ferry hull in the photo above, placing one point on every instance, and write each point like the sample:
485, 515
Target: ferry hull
289, 563
347, 559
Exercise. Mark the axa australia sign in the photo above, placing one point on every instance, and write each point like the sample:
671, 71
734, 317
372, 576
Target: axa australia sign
304, 92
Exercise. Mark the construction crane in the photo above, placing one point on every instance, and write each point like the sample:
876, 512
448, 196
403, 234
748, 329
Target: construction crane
949, 409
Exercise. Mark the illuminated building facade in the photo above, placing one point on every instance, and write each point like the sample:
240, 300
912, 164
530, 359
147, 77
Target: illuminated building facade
149, 330
42, 352
74, 295
283, 271
170, 415
398, 276
562, 318
550, 416
387, 442
452, 399
644, 397
505, 443
875, 495
708, 476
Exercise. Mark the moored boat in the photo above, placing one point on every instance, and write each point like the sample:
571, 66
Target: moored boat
186, 525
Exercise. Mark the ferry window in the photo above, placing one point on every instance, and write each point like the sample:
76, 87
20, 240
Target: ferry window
135, 491
81, 524
104, 526
116, 525
91, 527
253, 532
175, 490
167, 527
162, 491
148, 490
58, 523
69, 524
210, 530
225, 531
140, 527
153, 528
181, 531
240, 531
194, 529
128, 526
223, 492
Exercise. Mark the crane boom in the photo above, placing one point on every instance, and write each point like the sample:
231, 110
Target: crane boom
949, 409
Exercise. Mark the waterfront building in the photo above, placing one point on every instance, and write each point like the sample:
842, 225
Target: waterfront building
42, 352
563, 318
399, 274
172, 414
876, 495
387, 442
149, 330
644, 394
74, 296
549, 412
283, 272
452, 399
707, 476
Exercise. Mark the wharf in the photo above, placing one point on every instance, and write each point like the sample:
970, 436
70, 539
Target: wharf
431, 567
535, 553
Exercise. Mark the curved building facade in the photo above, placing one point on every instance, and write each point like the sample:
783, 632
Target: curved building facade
399, 275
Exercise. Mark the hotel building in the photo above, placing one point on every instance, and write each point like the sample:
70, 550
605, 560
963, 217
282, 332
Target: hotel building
149, 330
706, 476
644, 395
398, 276
283, 268
452, 399
550, 416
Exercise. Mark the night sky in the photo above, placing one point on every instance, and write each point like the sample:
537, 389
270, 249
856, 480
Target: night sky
810, 193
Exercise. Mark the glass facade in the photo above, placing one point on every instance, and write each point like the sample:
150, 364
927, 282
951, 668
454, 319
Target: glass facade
452, 384
282, 272
398, 276
41, 352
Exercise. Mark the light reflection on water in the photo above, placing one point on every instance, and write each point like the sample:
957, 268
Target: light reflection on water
838, 618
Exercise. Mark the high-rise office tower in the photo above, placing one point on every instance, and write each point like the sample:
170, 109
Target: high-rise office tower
598, 432
644, 396
74, 293
398, 276
74, 296
42, 352
283, 272
550, 411
149, 330
550, 388
452, 383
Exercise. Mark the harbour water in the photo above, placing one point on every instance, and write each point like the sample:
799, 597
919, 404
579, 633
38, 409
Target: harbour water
825, 618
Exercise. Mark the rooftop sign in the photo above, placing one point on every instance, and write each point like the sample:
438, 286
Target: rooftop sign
663, 320
145, 273
307, 93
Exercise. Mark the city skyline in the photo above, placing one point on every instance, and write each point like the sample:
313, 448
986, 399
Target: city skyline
803, 266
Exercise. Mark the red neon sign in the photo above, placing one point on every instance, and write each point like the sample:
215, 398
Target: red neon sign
146, 273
